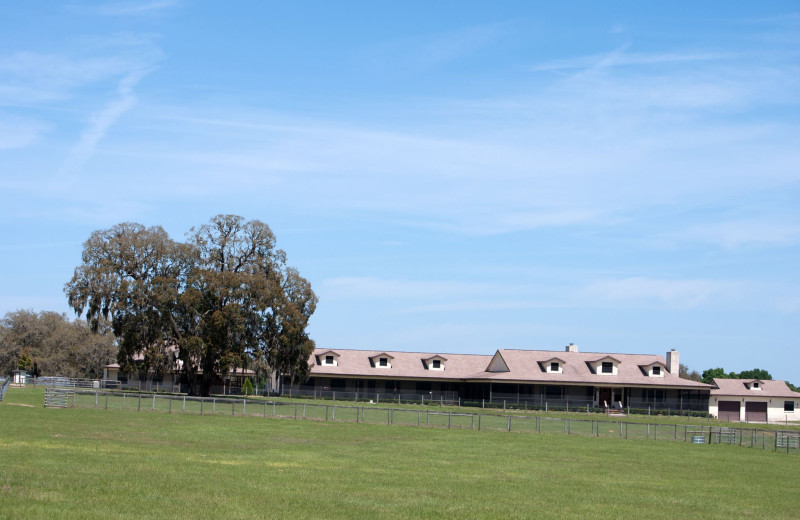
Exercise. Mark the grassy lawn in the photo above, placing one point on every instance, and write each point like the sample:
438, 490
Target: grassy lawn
87, 463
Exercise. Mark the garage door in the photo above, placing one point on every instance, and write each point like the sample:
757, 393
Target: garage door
755, 412
729, 410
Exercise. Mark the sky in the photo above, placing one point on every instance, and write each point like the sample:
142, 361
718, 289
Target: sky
451, 177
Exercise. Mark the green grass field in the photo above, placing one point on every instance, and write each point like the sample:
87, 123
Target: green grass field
93, 463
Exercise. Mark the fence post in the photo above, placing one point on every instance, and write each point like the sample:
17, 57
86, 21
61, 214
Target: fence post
170, 404
233, 408
333, 413
201, 405
213, 405
265, 409
326, 413
427, 417
419, 416
73, 398
106, 401
184, 404
304, 410
479, 422
388, 416
449, 419
273, 408
244, 406
295, 411
473, 421
95, 399
139, 406
154, 402
509, 423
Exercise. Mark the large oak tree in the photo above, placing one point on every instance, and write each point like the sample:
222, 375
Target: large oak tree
224, 298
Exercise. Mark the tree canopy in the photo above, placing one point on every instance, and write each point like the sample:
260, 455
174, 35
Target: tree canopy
685, 373
50, 344
225, 299
719, 373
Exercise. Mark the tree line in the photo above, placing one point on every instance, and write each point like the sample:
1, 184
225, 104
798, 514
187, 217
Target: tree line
223, 299
49, 343
709, 375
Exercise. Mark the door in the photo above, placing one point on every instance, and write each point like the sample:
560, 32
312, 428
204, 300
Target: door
605, 397
755, 412
729, 411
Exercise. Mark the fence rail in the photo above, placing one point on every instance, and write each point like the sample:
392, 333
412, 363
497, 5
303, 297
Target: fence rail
71, 382
443, 398
776, 440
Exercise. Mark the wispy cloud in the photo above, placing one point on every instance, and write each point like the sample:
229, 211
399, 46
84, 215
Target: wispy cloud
102, 120
372, 288
429, 50
759, 232
680, 294
620, 58
125, 8
17, 132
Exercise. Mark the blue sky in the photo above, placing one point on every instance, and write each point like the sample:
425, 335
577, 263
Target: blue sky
450, 176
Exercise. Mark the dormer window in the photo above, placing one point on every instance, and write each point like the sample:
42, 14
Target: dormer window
656, 371
605, 366
328, 358
553, 365
436, 362
383, 362
756, 386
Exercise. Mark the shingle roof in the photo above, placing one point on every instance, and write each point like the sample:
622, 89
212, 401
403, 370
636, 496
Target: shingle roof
524, 366
404, 365
737, 387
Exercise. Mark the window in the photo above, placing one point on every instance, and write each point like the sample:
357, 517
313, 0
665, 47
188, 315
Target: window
608, 367
788, 406
328, 360
552, 392
437, 363
656, 371
755, 386
383, 362
554, 366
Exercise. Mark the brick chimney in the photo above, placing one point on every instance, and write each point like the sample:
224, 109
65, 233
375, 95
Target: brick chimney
572, 347
673, 362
